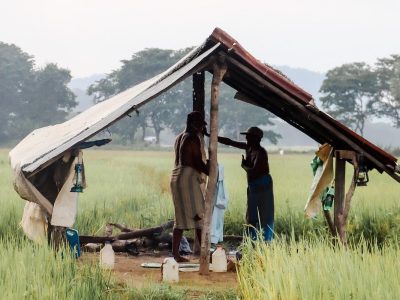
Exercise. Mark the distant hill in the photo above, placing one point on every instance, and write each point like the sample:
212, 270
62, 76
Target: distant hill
309, 81
381, 134
79, 86
84, 82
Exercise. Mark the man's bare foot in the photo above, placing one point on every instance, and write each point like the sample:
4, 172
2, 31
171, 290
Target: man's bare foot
181, 259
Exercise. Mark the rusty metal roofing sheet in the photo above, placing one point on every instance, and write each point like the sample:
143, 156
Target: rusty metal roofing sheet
288, 101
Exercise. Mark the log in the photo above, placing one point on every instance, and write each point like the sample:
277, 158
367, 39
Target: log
109, 230
237, 238
125, 246
84, 239
219, 70
118, 246
145, 232
122, 227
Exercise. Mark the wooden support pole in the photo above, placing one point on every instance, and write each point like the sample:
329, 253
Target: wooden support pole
219, 70
340, 178
342, 202
198, 92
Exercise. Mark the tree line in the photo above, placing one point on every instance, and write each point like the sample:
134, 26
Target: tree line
355, 92
32, 97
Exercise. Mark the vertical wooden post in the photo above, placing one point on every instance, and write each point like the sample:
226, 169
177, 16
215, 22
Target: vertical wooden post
340, 176
219, 69
342, 201
198, 105
198, 92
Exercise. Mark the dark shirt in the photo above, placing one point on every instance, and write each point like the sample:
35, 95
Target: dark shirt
256, 162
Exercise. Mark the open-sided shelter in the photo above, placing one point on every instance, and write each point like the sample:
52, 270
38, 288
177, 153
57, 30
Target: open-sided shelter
255, 83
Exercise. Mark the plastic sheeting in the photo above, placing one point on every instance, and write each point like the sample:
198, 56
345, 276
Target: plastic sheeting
322, 178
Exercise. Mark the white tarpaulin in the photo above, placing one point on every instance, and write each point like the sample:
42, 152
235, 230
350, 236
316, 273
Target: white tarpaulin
66, 204
44, 146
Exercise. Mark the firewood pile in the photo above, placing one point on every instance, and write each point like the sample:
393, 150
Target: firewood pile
130, 240
133, 241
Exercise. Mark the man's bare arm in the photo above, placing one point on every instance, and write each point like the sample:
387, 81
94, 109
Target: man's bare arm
229, 142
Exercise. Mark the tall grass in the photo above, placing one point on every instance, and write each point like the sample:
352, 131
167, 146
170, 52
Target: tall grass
29, 271
313, 269
133, 188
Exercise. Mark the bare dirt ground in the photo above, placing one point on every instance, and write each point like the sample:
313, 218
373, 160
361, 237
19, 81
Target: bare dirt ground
128, 270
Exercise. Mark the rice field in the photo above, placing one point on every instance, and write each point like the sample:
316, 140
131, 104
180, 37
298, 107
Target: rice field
132, 187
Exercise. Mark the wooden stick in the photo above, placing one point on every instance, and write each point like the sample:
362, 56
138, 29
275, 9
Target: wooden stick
122, 227
219, 70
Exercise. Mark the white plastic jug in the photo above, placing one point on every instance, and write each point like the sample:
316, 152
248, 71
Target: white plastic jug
219, 260
107, 256
170, 270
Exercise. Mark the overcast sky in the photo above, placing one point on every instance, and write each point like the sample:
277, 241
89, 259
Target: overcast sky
88, 36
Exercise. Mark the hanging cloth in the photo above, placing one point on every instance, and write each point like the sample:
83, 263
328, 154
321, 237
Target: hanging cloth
322, 178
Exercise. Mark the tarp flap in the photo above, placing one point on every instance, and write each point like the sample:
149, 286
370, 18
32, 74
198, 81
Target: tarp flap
322, 178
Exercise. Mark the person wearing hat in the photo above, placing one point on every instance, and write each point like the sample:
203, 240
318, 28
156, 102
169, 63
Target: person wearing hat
186, 180
260, 197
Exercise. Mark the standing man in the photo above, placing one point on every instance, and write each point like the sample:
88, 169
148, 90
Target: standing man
186, 180
260, 197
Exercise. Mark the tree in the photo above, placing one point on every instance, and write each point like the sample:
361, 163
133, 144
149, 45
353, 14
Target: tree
16, 75
30, 98
144, 65
387, 100
348, 92
50, 94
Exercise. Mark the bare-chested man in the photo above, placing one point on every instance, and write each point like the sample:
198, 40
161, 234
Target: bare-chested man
260, 197
186, 179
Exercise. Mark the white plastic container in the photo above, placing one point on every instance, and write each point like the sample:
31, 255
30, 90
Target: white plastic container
170, 270
219, 260
107, 256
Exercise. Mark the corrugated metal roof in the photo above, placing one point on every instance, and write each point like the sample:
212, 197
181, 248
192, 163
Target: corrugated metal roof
269, 89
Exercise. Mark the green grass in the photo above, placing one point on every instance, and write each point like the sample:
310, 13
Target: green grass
313, 269
133, 188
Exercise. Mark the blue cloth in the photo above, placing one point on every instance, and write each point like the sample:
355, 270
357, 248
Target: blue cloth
221, 200
260, 207
73, 241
